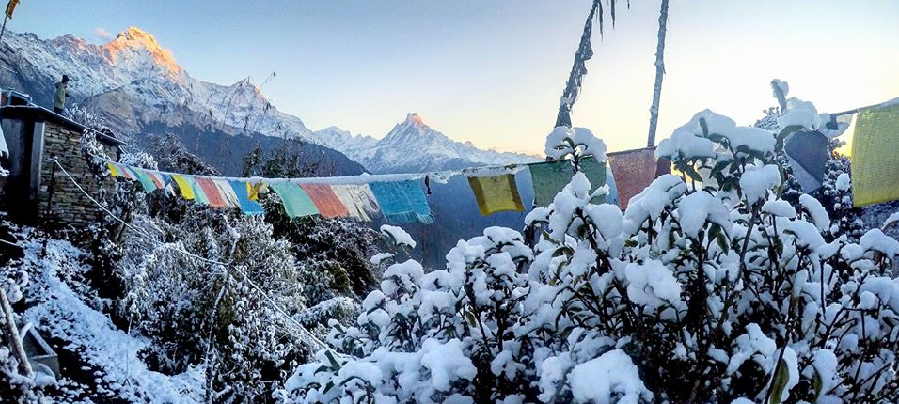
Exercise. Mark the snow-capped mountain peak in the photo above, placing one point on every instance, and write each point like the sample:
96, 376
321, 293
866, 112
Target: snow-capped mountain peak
135, 40
413, 146
136, 83
413, 118
412, 129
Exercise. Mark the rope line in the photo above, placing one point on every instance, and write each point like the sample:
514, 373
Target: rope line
357, 179
10, 243
857, 110
268, 298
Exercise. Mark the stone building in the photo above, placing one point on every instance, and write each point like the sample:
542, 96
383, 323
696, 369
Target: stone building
36, 191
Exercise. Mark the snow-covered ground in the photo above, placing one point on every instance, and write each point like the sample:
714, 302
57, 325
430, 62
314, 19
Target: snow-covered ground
109, 354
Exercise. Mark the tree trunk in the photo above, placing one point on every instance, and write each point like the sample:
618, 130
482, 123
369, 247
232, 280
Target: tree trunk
660, 73
573, 85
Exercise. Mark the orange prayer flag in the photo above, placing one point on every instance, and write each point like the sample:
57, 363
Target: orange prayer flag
10, 7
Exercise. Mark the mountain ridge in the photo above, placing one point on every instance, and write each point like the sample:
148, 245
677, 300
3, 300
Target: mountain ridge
139, 94
135, 83
433, 150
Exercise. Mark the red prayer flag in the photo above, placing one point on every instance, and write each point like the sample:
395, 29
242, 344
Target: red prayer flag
125, 171
212, 192
325, 200
10, 7
634, 170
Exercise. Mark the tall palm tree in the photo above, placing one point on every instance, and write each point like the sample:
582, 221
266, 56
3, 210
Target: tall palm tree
660, 72
583, 54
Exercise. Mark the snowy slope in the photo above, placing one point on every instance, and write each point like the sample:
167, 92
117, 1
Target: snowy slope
344, 140
135, 83
111, 355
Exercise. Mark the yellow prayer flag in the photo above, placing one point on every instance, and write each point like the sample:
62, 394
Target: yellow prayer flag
496, 194
875, 163
112, 169
10, 7
187, 191
253, 190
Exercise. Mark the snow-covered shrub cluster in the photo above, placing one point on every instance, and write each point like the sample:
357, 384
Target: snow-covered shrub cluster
836, 195
709, 288
220, 310
451, 322
332, 254
232, 294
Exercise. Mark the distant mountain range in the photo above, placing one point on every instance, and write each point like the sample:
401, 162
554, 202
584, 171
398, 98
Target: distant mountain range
413, 146
137, 86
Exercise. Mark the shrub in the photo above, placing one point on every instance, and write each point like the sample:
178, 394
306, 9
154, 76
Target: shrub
709, 288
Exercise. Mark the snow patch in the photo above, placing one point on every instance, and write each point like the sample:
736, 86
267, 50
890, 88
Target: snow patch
610, 375
757, 181
398, 235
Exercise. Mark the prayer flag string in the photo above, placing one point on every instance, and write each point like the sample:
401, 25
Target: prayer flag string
399, 198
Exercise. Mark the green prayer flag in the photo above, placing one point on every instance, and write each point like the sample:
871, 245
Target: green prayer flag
199, 195
550, 177
145, 180
875, 161
296, 201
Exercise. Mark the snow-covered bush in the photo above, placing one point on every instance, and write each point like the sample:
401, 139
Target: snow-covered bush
217, 290
836, 195
426, 337
574, 143
709, 288
235, 293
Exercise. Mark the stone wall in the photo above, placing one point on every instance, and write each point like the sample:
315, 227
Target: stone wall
69, 206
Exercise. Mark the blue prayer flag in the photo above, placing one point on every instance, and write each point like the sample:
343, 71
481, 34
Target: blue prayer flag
249, 207
402, 202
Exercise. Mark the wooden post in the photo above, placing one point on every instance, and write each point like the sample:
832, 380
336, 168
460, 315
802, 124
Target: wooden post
3, 30
13, 332
582, 55
49, 211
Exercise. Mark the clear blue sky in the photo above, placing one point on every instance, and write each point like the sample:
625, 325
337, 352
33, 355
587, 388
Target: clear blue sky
492, 71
